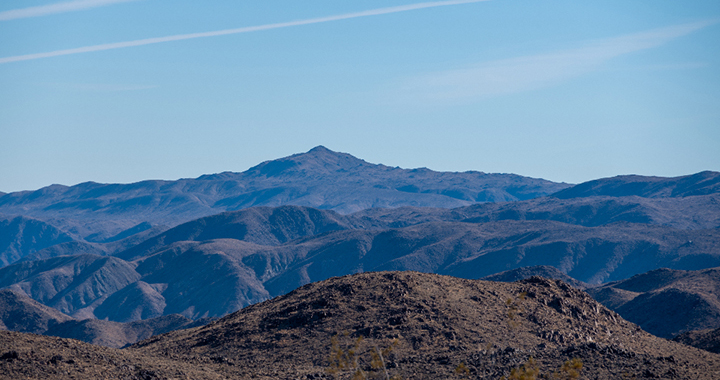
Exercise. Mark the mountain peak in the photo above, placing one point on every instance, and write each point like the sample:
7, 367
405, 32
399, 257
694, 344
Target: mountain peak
320, 148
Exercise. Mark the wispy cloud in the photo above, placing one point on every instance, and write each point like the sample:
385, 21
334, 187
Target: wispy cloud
520, 74
43, 10
180, 37
101, 87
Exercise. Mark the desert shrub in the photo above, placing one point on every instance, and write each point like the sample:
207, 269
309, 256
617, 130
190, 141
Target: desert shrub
349, 357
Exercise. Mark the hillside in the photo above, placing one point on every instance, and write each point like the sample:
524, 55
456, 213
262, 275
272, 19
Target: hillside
438, 323
666, 302
18, 312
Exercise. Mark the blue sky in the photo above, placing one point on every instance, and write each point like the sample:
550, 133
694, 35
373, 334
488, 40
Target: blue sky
563, 90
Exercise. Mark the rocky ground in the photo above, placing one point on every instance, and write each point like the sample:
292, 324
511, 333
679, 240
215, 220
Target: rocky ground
430, 326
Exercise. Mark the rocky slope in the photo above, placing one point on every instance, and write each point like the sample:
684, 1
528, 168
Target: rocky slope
35, 357
429, 326
18, 312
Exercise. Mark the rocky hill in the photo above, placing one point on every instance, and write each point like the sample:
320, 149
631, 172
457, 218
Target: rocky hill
429, 326
666, 302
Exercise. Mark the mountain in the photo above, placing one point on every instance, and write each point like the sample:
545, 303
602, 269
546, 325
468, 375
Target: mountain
428, 326
21, 236
259, 225
319, 178
544, 271
115, 334
75, 285
666, 302
20, 313
424, 325
255, 254
702, 183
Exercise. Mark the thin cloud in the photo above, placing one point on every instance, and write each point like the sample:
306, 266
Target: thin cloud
101, 87
180, 37
43, 10
521, 74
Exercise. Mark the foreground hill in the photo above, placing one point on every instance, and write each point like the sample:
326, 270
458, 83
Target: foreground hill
30, 356
666, 302
429, 326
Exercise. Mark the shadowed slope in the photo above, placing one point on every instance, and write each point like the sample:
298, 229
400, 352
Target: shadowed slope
666, 302
18, 312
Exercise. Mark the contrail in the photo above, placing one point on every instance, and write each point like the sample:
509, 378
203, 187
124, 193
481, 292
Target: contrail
43, 10
179, 37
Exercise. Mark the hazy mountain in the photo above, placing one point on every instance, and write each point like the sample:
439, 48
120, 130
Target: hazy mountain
21, 236
117, 335
702, 183
260, 225
666, 302
696, 212
437, 322
74, 285
544, 271
18, 312
469, 250
211, 278
319, 178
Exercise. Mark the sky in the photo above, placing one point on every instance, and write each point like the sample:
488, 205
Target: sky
119, 91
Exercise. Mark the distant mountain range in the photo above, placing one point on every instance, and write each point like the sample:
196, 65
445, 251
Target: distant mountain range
129, 253
319, 178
